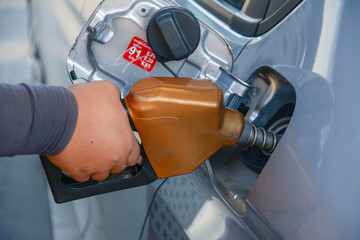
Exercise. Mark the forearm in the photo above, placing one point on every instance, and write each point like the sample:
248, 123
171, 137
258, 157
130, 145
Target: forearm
35, 119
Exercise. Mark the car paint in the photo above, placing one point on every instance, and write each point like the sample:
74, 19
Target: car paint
308, 187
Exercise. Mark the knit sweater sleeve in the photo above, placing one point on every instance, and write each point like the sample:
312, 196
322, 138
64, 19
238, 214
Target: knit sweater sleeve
36, 119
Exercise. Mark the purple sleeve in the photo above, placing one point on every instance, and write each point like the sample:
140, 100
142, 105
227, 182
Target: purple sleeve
37, 119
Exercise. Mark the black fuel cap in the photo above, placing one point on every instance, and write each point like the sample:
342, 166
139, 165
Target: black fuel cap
173, 33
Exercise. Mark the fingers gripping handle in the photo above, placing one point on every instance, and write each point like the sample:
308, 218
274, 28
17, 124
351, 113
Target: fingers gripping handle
64, 188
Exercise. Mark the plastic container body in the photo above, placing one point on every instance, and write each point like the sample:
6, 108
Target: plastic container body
181, 122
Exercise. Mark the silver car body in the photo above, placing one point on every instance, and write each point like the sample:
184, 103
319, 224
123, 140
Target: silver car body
307, 189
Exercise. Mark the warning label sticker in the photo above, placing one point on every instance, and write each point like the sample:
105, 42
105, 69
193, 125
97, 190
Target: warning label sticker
139, 53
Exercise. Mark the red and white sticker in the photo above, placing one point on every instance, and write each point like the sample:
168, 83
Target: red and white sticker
139, 53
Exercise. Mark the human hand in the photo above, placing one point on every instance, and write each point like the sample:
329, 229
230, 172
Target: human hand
103, 141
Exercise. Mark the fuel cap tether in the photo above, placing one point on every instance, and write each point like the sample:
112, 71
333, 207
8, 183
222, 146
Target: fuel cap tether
173, 33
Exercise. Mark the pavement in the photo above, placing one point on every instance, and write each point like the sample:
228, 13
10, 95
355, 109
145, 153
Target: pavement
24, 205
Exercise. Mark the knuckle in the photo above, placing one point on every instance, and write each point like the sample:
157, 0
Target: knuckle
83, 172
133, 160
114, 157
80, 178
100, 176
80, 175
120, 166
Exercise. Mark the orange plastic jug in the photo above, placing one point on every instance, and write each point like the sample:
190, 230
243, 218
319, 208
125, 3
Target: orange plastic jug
181, 122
